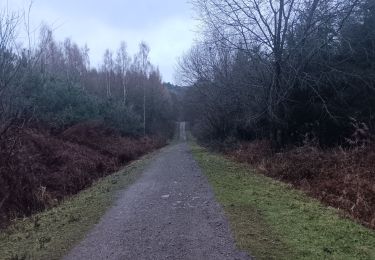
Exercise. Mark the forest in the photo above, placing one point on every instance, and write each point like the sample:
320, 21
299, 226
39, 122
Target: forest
123, 135
286, 86
289, 87
65, 123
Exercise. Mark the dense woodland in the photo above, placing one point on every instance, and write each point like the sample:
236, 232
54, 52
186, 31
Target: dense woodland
54, 84
283, 70
289, 87
64, 122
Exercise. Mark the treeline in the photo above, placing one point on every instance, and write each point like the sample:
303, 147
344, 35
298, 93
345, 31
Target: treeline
287, 71
288, 87
65, 123
50, 83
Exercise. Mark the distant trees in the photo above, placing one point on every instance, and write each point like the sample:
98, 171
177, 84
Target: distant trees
142, 64
282, 69
9, 67
123, 65
108, 70
16, 65
52, 83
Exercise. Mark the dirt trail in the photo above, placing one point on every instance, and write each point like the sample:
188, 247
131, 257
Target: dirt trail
169, 213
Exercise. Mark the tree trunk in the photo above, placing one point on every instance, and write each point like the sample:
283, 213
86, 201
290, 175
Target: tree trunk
144, 110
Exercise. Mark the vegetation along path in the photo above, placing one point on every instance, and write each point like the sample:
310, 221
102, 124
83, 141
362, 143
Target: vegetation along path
169, 213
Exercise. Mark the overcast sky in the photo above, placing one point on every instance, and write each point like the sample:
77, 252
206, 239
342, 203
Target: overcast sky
166, 25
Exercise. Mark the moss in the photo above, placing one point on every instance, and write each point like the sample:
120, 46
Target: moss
271, 220
51, 234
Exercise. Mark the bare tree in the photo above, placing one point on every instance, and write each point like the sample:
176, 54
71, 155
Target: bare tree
262, 28
143, 64
10, 64
108, 69
123, 64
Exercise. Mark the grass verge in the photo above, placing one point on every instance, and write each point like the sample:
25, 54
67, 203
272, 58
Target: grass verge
50, 234
271, 220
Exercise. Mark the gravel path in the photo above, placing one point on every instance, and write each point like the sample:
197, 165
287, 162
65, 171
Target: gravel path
169, 213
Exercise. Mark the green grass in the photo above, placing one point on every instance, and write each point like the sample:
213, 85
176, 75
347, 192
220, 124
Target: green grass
50, 235
271, 220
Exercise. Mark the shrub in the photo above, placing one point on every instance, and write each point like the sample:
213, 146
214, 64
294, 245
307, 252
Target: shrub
60, 106
38, 169
121, 117
340, 177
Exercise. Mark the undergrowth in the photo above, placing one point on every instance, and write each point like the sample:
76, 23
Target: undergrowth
271, 220
339, 177
38, 169
50, 234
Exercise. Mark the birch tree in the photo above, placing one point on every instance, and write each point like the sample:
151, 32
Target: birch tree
143, 63
123, 64
108, 69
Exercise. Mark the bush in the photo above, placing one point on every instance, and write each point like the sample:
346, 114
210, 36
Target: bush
60, 106
38, 169
121, 117
340, 177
